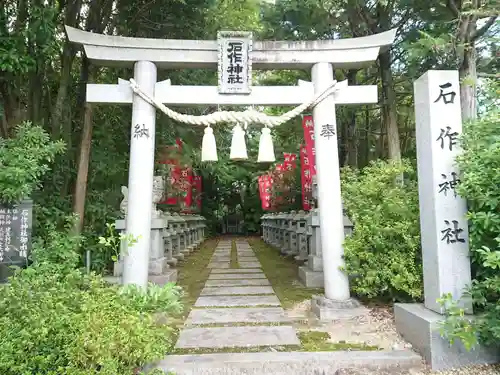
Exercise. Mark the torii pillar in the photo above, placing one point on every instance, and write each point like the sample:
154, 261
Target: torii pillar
146, 55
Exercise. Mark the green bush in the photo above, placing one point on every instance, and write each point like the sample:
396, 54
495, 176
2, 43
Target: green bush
480, 182
23, 161
383, 255
54, 319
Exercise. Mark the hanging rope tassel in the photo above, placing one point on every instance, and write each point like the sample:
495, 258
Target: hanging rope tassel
266, 147
238, 145
208, 146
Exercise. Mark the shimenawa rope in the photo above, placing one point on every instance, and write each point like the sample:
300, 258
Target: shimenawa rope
245, 117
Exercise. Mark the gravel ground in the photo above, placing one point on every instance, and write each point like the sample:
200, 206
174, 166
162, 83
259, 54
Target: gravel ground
375, 328
474, 370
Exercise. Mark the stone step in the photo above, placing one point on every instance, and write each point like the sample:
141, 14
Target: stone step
237, 315
219, 265
234, 282
236, 301
249, 264
236, 337
237, 270
234, 276
293, 363
247, 259
236, 290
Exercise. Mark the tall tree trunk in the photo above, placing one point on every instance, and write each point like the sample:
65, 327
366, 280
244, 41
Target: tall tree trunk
83, 167
389, 111
59, 109
468, 88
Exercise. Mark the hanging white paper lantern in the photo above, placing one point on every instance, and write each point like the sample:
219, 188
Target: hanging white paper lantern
238, 144
208, 146
266, 147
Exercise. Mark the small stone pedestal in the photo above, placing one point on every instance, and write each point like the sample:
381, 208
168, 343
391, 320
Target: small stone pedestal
326, 309
159, 270
311, 274
421, 327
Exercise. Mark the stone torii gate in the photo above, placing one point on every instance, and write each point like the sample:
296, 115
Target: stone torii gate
148, 55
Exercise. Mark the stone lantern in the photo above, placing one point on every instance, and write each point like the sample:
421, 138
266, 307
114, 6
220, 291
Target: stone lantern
276, 229
168, 239
291, 234
301, 231
283, 230
348, 226
176, 236
264, 225
312, 273
183, 234
203, 227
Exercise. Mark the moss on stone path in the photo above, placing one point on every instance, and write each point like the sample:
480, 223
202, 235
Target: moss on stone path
283, 274
193, 273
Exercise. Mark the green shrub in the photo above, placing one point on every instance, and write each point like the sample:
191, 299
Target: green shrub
54, 319
23, 161
480, 182
383, 255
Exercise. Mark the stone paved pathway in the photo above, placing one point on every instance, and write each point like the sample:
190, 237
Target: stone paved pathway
231, 298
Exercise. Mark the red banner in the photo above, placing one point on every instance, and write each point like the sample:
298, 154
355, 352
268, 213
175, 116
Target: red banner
186, 186
306, 179
174, 175
290, 161
265, 184
197, 188
308, 126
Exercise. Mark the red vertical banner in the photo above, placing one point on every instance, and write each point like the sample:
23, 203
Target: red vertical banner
306, 179
170, 158
186, 188
290, 161
308, 126
197, 187
266, 183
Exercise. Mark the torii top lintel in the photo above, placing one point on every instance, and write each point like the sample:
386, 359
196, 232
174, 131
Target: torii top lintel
109, 50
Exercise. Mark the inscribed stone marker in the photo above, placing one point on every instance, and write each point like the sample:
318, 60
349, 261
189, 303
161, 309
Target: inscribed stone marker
443, 226
15, 236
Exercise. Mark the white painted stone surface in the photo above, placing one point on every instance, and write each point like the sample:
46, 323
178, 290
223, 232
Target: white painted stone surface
174, 53
329, 198
140, 183
443, 226
208, 95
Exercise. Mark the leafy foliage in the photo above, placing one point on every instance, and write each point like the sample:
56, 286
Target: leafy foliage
76, 324
23, 161
383, 254
480, 163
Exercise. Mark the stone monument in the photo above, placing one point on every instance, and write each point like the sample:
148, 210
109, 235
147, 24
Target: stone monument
443, 225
